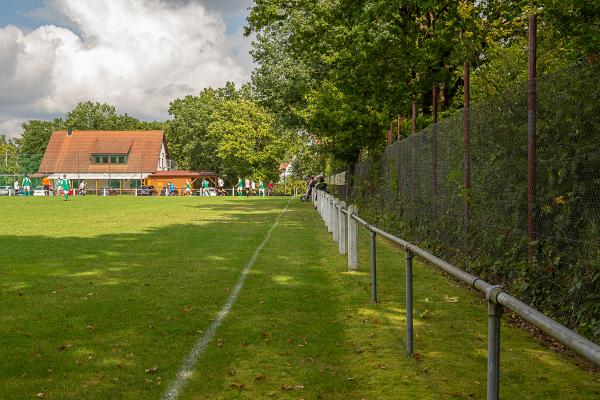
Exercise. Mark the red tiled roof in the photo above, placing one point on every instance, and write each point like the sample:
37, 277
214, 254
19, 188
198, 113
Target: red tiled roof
173, 174
72, 153
112, 145
283, 166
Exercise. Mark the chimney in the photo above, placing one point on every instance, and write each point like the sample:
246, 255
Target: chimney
69, 131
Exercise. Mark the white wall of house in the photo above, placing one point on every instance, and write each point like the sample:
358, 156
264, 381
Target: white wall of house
163, 164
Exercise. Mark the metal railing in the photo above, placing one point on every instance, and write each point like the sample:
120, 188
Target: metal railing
343, 221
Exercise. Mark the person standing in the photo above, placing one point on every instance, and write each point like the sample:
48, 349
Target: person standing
247, 186
27, 185
270, 188
253, 187
205, 187
58, 186
172, 188
82, 186
66, 186
261, 188
188, 187
221, 186
16, 186
239, 186
46, 183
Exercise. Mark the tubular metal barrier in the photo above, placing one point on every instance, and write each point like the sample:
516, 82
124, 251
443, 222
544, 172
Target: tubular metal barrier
346, 230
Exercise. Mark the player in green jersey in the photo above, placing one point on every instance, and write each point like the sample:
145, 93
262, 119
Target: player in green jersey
58, 186
239, 186
27, 185
66, 187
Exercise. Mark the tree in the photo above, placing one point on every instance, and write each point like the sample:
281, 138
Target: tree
187, 132
36, 135
245, 140
8, 156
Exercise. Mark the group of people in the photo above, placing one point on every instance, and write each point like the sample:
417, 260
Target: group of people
314, 183
171, 190
248, 187
26, 186
63, 186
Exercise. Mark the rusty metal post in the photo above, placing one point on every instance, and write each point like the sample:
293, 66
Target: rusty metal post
466, 158
390, 135
413, 154
434, 155
531, 134
399, 126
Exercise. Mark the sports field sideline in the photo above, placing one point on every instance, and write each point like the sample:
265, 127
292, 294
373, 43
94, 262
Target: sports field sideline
104, 298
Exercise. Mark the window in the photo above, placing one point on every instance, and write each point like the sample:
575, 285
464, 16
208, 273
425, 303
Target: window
109, 159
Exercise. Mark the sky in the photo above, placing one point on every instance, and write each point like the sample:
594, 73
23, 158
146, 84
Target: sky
137, 55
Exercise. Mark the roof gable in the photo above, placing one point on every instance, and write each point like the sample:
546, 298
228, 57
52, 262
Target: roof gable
72, 152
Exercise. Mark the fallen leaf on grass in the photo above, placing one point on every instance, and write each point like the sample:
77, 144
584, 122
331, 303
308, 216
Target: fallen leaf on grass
289, 388
64, 347
40, 395
185, 310
151, 370
238, 386
91, 327
383, 366
259, 378
450, 299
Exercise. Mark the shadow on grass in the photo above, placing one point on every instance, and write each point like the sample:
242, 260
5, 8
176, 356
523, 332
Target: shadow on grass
85, 317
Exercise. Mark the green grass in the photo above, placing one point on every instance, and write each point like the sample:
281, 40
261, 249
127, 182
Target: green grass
97, 291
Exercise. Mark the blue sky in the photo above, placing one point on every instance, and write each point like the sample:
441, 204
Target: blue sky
22, 13
137, 55
18, 12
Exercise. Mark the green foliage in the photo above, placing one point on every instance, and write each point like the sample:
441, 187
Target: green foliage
36, 135
245, 140
85, 116
563, 280
225, 130
337, 69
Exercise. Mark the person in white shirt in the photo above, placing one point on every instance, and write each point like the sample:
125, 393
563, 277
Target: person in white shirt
253, 187
247, 186
220, 187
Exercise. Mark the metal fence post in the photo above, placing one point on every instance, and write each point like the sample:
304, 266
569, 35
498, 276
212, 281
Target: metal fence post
494, 318
335, 216
531, 135
409, 302
342, 228
352, 239
373, 268
413, 158
466, 158
434, 155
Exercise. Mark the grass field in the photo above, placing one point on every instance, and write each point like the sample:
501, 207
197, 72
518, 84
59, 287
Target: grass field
103, 298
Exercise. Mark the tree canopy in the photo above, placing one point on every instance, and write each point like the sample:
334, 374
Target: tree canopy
338, 69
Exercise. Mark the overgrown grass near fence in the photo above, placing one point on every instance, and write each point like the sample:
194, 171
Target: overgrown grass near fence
415, 189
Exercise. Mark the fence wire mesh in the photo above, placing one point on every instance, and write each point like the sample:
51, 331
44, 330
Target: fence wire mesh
417, 189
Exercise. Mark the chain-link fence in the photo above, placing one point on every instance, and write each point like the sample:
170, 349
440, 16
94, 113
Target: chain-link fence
417, 188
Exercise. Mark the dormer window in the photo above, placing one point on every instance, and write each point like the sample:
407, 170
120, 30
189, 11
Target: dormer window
101, 159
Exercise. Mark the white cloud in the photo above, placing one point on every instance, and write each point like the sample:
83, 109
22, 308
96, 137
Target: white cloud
134, 54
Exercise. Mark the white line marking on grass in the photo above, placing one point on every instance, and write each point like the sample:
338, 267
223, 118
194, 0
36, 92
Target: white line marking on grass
186, 370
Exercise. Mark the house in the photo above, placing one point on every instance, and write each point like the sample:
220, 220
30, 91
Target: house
121, 160
285, 171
